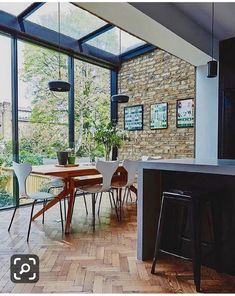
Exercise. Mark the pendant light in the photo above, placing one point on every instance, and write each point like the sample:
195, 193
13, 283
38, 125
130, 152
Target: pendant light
59, 85
212, 65
120, 98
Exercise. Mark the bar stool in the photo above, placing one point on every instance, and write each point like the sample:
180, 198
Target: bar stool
193, 200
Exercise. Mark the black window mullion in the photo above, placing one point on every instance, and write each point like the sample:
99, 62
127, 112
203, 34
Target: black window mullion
14, 103
71, 101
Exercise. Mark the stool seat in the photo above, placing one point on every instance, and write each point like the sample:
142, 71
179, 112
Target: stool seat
192, 199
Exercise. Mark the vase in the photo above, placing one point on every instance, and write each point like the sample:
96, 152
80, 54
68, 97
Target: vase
71, 159
62, 157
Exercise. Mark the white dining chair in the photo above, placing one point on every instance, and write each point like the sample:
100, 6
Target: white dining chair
22, 171
107, 170
131, 167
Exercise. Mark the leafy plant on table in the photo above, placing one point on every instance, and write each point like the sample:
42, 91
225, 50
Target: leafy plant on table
109, 136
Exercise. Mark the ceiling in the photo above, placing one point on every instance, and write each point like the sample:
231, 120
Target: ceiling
224, 22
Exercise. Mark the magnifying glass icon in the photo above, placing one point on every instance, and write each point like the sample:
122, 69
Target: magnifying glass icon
25, 268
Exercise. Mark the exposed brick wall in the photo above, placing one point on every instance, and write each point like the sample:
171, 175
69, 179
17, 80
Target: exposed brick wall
152, 78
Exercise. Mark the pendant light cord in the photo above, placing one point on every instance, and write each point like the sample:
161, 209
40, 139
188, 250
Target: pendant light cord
120, 51
59, 37
212, 30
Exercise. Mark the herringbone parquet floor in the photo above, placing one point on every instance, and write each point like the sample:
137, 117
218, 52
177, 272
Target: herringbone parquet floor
104, 262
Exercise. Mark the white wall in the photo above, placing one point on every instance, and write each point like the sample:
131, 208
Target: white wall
206, 140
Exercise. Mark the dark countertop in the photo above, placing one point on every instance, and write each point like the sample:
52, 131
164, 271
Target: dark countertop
211, 166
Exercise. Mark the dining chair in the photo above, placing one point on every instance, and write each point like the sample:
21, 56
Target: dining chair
107, 170
131, 167
22, 171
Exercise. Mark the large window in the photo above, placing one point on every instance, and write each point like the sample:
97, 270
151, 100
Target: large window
92, 107
43, 115
6, 179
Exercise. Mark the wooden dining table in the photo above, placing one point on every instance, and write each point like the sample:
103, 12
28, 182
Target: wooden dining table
69, 174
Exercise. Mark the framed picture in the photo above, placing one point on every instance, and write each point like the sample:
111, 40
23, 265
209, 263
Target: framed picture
185, 113
133, 118
159, 116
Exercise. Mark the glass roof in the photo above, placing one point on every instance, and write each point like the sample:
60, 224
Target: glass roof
75, 22
13, 7
109, 41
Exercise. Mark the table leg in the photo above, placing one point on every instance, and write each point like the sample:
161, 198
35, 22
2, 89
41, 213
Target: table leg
70, 205
51, 203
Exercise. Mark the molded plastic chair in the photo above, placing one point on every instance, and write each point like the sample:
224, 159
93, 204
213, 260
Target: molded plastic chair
107, 170
131, 167
22, 172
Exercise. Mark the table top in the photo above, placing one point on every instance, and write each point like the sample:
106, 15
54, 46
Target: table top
72, 171
211, 166
52, 169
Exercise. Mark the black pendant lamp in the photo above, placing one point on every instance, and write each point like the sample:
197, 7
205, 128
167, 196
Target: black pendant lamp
59, 85
212, 65
120, 98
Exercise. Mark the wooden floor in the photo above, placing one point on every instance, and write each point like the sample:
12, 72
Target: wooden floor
104, 262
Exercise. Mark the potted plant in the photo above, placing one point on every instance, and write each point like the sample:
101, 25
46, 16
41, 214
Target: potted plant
71, 156
109, 136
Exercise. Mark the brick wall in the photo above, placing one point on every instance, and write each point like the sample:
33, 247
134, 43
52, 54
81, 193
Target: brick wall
152, 78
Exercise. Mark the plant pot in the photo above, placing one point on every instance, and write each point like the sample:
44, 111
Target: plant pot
62, 157
71, 159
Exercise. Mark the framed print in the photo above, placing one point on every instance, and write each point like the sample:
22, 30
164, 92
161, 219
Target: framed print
158, 116
185, 113
133, 118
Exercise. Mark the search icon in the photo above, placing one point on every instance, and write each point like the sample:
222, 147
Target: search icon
25, 268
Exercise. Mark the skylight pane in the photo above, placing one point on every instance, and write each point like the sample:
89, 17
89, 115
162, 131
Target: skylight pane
109, 41
75, 22
14, 8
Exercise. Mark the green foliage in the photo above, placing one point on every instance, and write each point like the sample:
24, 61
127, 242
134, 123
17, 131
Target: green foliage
108, 136
6, 199
3, 180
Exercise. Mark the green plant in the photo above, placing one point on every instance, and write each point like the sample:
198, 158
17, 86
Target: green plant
109, 137
6, 199
3, 180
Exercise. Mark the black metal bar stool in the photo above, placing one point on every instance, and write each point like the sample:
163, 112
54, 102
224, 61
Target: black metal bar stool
193, 200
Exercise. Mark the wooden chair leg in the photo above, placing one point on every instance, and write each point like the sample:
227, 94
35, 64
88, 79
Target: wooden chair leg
30, 221
161, 221
196, 242
12, 218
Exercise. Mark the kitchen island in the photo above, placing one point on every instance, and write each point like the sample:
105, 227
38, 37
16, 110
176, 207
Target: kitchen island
217, 177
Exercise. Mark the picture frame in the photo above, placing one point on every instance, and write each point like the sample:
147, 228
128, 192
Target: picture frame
185, 113
133, 117
159, 116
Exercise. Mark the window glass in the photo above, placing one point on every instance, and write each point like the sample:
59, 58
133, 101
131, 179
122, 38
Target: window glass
6, 176
14, 8
109, 41
43, 115
75, 22
92, 108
